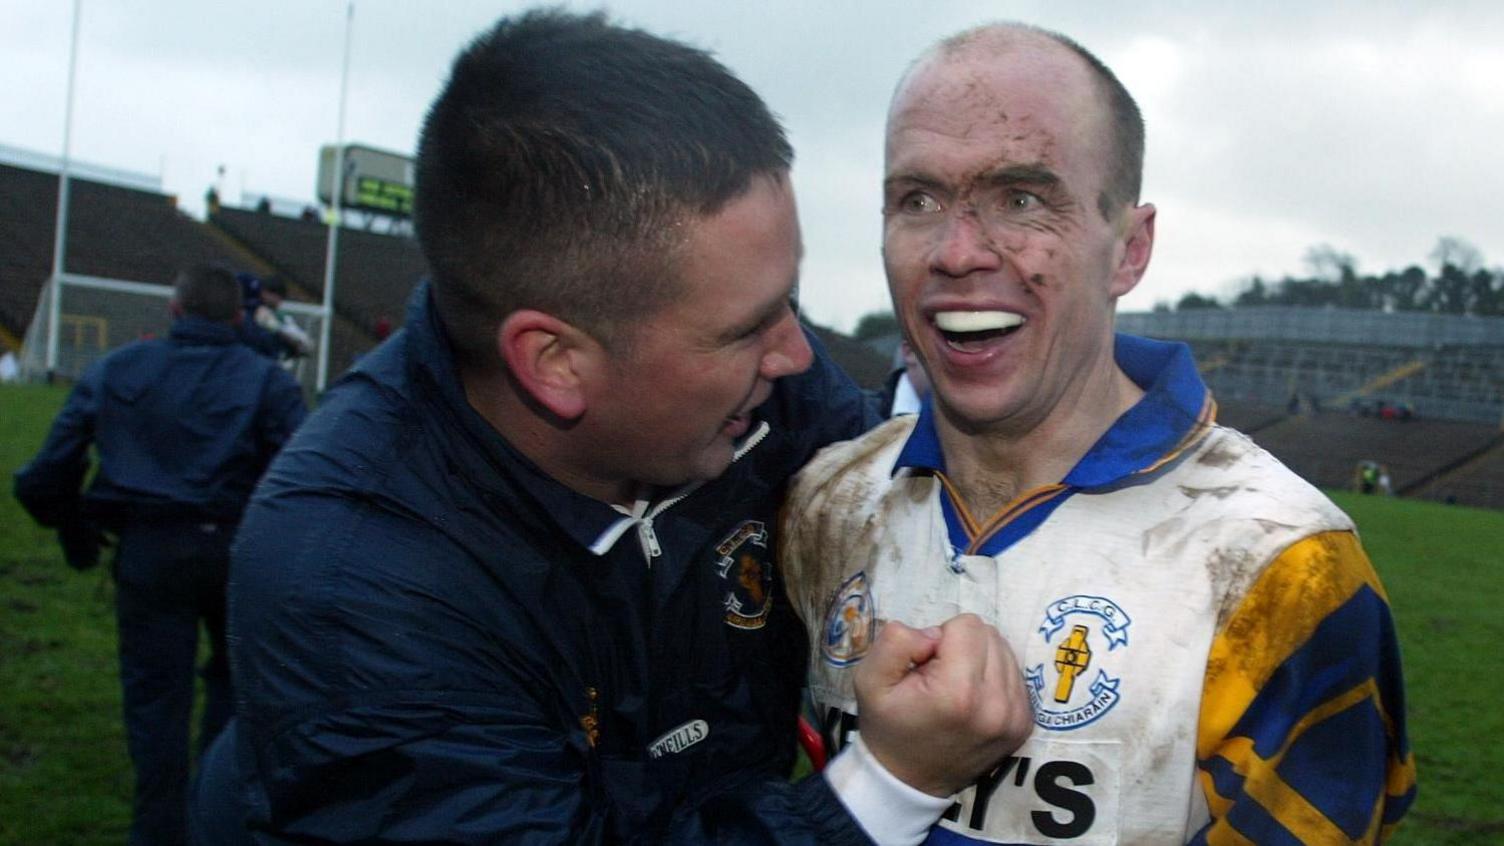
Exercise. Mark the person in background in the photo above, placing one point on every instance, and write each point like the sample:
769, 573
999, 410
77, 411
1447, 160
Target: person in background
271, 316
1209, 655
183, 428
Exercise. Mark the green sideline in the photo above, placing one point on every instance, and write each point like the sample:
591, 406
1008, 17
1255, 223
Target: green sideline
64, 777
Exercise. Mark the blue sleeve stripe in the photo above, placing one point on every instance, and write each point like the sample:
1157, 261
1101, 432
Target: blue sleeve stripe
1227, 781
1326, 666
1249, 819
1339, 765
1330, 802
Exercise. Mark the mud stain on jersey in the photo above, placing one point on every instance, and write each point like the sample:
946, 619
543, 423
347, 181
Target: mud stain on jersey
1224, 453
832, 514
1219, 492
1230, 572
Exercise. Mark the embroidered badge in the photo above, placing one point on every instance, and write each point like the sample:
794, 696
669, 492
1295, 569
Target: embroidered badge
741, 562
591, 720
850, 623
1072, 701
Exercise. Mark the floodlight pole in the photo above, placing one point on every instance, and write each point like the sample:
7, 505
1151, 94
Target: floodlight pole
337, 191
60, 236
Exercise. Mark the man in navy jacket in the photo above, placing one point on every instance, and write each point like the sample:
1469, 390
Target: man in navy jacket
183, 427
514, 581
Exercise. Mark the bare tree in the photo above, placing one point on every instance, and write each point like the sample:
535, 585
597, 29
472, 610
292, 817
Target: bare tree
1450, 250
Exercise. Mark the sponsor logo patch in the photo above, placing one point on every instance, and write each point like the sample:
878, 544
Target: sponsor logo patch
742, 563
679, 739
1065, 693
850, 623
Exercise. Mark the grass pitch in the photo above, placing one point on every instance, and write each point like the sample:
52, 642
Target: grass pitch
65, 778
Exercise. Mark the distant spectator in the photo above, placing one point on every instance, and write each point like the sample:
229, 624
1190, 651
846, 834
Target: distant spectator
309, 214
264, 206
183, 427
383, 328
258, 339
252, 333
1372, 477
271, 316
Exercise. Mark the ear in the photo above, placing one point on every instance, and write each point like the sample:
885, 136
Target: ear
550, 359
1136, 244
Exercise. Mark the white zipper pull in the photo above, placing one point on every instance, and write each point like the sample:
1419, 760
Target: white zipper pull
649, 539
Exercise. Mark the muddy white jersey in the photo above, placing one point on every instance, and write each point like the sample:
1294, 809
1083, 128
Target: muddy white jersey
1111, 605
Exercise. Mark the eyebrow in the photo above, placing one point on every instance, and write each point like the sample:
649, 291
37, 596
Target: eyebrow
1022, 174
1025, 174
910, 180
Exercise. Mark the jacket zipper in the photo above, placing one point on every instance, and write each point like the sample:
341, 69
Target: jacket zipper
647, 537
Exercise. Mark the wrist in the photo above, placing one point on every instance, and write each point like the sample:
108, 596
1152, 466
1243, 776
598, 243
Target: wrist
890, 811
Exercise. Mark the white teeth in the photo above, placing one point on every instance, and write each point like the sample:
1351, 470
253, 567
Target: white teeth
977, 321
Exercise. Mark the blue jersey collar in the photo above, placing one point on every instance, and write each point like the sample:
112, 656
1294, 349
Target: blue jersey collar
1174, 411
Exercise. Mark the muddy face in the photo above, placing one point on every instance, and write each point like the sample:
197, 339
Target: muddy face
995, 162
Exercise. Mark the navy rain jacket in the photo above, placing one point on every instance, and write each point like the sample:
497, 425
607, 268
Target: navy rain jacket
183, 425
435, 642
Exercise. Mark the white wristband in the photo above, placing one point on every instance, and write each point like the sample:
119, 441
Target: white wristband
891, 812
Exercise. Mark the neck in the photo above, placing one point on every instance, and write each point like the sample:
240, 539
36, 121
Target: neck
546, 440
992, 468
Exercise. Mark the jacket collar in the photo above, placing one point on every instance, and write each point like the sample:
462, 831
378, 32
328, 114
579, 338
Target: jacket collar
198, 330
590, 522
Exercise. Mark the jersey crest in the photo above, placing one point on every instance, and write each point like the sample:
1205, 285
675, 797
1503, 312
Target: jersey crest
850, 623
1075, 689
747, 575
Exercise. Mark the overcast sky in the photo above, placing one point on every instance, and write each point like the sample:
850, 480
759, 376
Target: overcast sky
1375, 127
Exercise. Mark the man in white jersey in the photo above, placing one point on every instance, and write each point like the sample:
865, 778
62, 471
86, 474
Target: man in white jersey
1208, 651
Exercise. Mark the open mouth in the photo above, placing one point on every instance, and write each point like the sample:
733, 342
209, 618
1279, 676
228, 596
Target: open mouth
970, 331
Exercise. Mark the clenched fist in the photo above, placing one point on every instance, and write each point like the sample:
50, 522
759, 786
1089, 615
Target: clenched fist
941, 706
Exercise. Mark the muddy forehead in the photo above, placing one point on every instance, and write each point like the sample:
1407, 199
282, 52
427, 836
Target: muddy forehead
1024, 103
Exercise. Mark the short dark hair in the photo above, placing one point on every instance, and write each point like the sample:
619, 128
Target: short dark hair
557, 166
208, 291
1125, 170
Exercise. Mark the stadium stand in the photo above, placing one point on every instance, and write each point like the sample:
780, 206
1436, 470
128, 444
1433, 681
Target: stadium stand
1294, 379
113, 231
1477, 481
1443, 367
374, 274
1324, 448
1250, 418
1323, 389
132, 234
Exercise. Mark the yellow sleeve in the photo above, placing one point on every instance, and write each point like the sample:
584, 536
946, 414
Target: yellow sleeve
1302, 727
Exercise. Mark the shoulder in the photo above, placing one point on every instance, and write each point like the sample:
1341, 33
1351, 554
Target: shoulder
1228, 467
835, 496
859, 467
1239, 508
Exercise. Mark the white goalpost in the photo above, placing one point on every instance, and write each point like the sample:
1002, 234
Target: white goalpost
93, 315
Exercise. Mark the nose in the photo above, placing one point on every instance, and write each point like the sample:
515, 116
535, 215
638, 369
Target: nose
963, 245
789, 351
